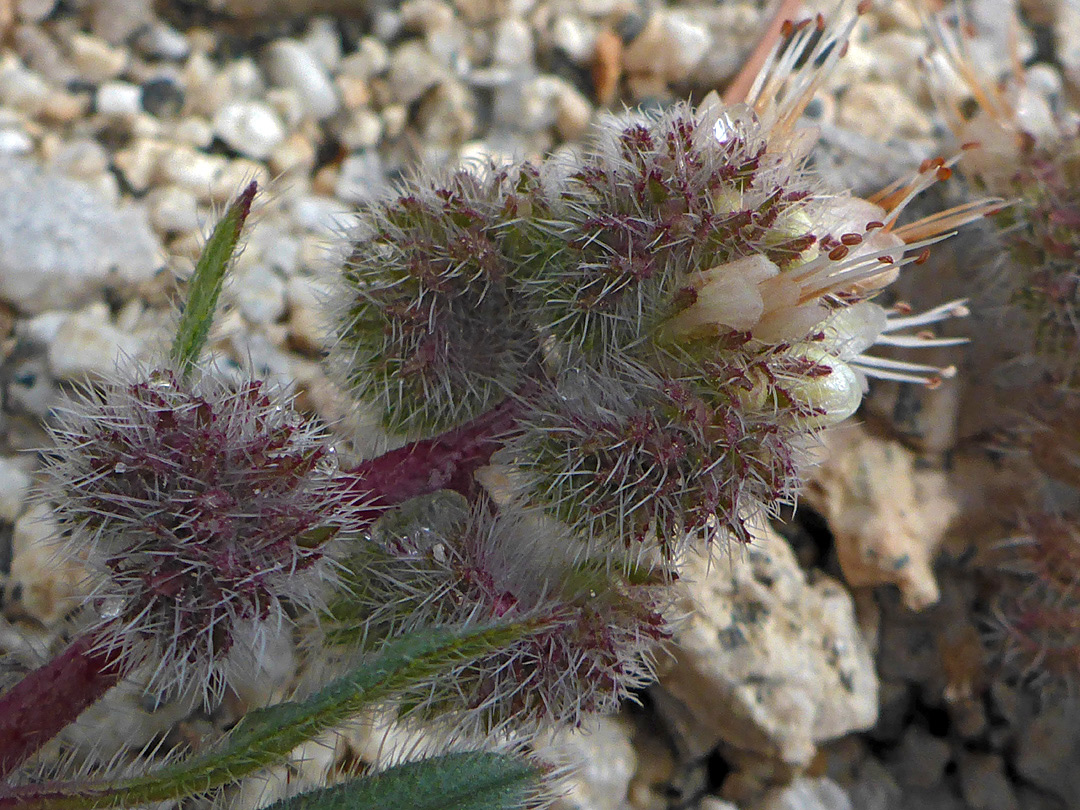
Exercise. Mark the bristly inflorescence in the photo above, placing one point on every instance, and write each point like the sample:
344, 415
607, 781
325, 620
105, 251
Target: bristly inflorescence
440, 561
672, 295
202, 508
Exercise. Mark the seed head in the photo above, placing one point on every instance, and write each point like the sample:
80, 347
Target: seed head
428, 331
202, 508
436, 561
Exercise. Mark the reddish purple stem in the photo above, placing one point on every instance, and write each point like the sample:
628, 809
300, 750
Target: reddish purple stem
447, 461
48, 699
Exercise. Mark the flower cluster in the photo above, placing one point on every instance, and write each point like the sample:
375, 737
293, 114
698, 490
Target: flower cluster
677, 296
201, 509
439, 561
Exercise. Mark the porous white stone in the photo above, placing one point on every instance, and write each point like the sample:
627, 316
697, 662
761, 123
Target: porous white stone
290, 64
61, 241
251, 128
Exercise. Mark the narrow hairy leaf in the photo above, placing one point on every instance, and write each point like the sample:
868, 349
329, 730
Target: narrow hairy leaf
206, 283
465, 781
264, 737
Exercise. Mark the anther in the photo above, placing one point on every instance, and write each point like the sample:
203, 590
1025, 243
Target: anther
851, 239
838, 253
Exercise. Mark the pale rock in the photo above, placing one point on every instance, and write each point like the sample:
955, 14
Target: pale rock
354, 92
984, 784
295, 155
21, 89
290, 107
195, 131
235, 175
173, 209
250, 128
919, 761
323, 41
362, 130
126, 718
120, 99
14, 142
513, 45
42, 54
447, 115
767, 661
81, 158
62, 107
309, 322
96, 60
1048, 750
888, 517
575, 37
413, 71
161, 41
371, 58
714, 803
733, 29
670, 46
362, 177
1066, 24
573, 113
49, 584
33, 11
14, 486
260, 294
394, 117
195, 171
116, 20
61, 241
87, 344
138, 163
806, 793
882, 111
603, 762
290, 64
423, 16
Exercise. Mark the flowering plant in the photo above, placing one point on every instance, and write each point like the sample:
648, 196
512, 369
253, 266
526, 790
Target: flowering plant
594, 365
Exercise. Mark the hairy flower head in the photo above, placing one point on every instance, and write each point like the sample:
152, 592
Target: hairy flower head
437, 561
201, 509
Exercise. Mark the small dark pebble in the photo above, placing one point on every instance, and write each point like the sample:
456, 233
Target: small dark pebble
162, 97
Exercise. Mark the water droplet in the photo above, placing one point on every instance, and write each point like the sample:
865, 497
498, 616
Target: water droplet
120, 468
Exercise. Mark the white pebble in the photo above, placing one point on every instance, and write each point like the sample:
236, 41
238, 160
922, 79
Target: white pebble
370, 58
15, 142
14, 485
290, 64
96, 61
323, 42
173, 210
249, 127
163, 42
34, 11
513, 45
121, 99
87, 344
260, 294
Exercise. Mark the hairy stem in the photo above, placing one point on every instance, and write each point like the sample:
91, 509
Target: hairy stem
447, 461
49, 698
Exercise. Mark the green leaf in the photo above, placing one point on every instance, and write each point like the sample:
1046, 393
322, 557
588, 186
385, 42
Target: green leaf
465, 781
265, 737
206, 283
